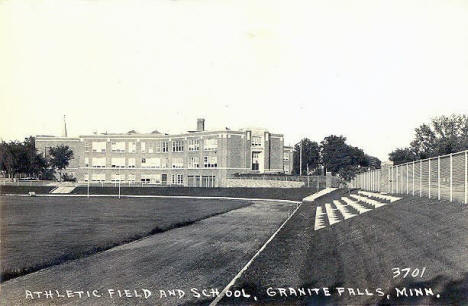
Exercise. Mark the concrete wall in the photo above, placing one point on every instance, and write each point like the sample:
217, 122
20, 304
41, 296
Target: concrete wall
262, 183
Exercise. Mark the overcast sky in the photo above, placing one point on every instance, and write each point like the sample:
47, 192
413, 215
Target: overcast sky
369, 70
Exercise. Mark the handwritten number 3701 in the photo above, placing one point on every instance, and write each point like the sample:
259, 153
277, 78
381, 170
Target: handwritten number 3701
397, 272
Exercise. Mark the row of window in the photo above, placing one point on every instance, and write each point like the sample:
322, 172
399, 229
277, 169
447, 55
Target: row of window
176, 179
152, 162
193, 145
161, 179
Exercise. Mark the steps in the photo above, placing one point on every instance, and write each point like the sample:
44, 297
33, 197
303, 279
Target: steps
63, 189
349, 207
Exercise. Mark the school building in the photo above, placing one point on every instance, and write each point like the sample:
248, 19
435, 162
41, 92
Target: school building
198, 158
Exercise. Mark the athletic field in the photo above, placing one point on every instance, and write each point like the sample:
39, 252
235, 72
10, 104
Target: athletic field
341, 249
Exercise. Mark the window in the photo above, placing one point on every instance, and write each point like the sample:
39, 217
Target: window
86, 162
86, 177
177, 162
193, 145
157, 147
99, 146
131, 163
98, 162
208, 181
256, 141
286, 168
132, 147
177, 179
210, 161
150, 147
143, 161
143, 147
151, 162
177, 146
116, 177
194, 162
286, 156
131, 177
151, 178
210, 144
164, 146
87, 145
255, 161
98, 177
118, 146
118, 162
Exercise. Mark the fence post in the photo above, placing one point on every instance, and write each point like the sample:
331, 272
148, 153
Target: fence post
438, 178
420, 178
466, 177
407, 178
429, 178
413, 178
451, 175
396, 183
378, 180
393, 177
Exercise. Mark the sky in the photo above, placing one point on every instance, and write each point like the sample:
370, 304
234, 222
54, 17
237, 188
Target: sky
369, 70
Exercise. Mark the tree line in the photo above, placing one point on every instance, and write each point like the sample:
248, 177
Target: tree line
442, 135
19, 159
332, 154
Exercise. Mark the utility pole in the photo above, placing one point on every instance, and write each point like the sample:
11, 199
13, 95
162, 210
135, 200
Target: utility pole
300, 158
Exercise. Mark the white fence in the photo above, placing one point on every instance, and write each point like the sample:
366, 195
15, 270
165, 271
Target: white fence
442, 177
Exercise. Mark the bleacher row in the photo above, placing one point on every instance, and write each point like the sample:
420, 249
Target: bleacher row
349, 207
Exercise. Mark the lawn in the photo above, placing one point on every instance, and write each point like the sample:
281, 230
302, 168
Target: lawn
294, 194
41, 232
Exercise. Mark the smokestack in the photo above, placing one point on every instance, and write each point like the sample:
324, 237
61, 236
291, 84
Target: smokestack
64, 130
200, 125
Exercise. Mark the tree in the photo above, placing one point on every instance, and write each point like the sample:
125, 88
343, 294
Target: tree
310, 156
60, 157
8, 161
21, 158
402, 155
373, 162
444, 135
345, 160
334, 152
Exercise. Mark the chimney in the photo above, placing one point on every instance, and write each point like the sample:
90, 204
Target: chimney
64, 129
200, 125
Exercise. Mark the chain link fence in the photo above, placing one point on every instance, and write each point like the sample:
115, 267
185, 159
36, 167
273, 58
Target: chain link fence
442, 177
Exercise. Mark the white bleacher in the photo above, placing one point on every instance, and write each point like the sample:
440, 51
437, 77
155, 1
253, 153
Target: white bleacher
331, 213
361, 209
379, 196
343, 210
319, 218
372, 202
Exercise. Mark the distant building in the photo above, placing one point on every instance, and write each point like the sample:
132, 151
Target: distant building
197, 158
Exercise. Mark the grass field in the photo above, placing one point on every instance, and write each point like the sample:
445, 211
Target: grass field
5, 189
41, 232
294, 194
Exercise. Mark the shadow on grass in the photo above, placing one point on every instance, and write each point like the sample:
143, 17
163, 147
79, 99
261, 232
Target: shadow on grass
7, 275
